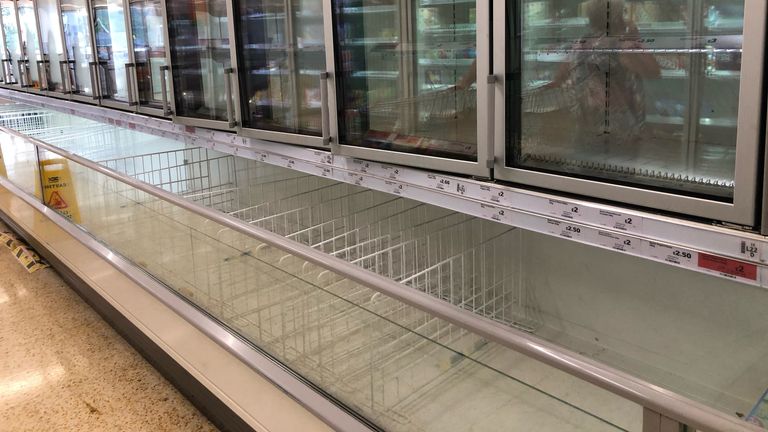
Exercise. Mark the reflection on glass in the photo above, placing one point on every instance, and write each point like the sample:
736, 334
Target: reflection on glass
77, 36
50, 39
111, 48
29, 43
12, 48
199, 39
410, 86
148, 30
283, 54
641, 92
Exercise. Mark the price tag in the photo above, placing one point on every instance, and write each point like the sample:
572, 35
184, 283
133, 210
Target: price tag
264, 157
391, 172
679, 256
564, 229
493, 194
395, 187
728, 267
327, 172
564, 209
620, 221
617, 241
493, 213
356, 178
441, 183
288, 162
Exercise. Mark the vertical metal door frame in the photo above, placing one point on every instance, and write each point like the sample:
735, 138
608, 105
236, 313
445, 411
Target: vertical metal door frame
57, 64
2, 55
42, 72
288, 137
744, 207
482, 166
111, 103
144, 109
235, 88
92, 74
25, 79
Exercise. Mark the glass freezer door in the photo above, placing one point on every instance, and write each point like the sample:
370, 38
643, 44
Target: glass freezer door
30, 45
201, 62
52, 46
281, 59
75, 19
12, 48
407, 87
149, 53
112, 50
651, 102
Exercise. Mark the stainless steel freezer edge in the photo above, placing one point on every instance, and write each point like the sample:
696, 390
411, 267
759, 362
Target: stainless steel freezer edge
652, 398
676, 242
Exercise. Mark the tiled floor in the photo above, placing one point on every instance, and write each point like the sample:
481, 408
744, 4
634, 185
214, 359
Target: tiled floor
62, 368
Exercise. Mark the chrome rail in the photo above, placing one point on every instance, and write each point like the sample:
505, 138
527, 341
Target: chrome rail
656, 401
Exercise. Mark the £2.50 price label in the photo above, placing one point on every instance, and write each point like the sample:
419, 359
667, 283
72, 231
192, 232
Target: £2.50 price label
679, 256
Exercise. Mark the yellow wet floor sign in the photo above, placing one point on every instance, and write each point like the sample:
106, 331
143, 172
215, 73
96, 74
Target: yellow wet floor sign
59, 191
23, 254
3, 173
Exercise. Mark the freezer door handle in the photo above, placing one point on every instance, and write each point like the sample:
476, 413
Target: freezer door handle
228, 74
164, 86
94, 72
324, 109
64, 71
131, 81
42, 74
491, 119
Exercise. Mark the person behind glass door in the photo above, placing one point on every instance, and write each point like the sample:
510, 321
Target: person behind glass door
604, 74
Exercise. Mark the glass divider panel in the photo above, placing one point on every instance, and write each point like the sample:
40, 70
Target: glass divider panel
149, 49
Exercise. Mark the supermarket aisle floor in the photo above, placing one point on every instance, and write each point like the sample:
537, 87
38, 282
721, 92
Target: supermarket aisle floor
62, 368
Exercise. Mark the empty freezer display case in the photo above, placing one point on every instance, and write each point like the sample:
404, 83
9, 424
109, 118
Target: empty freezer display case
642, 93
407, 76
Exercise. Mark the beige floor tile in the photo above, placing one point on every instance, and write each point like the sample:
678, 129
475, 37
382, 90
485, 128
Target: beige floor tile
64, 369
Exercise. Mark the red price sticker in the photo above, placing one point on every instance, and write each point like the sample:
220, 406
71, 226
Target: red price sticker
728, 266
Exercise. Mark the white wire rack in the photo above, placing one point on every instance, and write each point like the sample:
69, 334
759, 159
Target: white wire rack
451, 256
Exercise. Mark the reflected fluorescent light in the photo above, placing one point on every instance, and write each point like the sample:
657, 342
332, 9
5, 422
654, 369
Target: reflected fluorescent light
30, 381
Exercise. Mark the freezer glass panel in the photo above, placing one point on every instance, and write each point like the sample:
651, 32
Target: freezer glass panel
282, 56
12, 49
149, 53
50, 39
642, 93
199, 38
79, 48
111, 48
407, 76
30, 44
